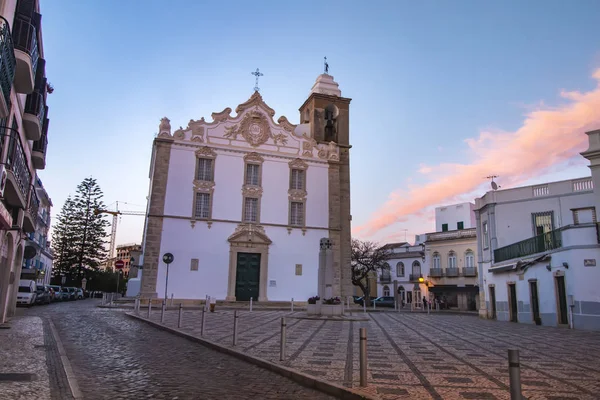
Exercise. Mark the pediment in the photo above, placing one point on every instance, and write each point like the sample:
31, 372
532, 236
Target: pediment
249, 233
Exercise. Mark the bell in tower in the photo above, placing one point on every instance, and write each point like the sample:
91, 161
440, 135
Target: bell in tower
330, 122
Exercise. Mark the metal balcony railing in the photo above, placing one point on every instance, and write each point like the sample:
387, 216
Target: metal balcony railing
452, 272
469, 271
385, 278
25, 39
7, 61
537, 244
16, 162
40, 145
34, 104
415, 277
34, 203
435, 272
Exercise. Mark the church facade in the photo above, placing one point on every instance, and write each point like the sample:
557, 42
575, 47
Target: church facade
242, 202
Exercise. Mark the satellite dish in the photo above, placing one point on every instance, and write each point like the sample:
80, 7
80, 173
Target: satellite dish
494, 185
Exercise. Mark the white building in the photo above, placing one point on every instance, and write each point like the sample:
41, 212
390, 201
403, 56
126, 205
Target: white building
243, 201
406, 266
455, 217
39, 267
23, 136
537, 253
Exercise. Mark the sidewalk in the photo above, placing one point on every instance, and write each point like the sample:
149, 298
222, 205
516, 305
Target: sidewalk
23, 368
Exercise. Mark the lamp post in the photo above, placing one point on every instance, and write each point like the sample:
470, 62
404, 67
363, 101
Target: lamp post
168, 259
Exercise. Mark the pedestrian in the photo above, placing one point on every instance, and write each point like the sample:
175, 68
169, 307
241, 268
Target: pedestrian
424, 303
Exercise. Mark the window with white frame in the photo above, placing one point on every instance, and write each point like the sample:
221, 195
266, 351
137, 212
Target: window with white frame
469, 259
297, 213
250, 209
416, 268
400, 269
452, 260
386, 290
486, 237
297, 179
202, 209
204, 170
436, 260
253, 174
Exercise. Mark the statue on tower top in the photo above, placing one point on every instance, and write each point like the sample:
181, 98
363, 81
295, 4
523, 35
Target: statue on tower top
326, 66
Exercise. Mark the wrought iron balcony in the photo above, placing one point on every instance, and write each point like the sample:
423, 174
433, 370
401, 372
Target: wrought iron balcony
452, 272
435, 272
469, 271
415, 277
38, 152
35, 111
538, 244
7, 67
32, 211
385, 278
16, 191
27, 54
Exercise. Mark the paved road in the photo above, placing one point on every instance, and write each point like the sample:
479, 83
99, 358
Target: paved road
115, 357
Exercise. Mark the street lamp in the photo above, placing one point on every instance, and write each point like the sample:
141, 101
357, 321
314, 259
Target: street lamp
168, 259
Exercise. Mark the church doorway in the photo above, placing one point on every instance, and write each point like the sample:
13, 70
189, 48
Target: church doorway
247, 276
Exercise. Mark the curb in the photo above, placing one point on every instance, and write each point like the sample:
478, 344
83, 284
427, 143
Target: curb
305, 380
64, 360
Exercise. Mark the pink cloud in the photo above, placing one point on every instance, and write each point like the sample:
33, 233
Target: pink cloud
547, 137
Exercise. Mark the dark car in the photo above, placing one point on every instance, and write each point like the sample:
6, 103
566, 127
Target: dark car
358, 299
384, 301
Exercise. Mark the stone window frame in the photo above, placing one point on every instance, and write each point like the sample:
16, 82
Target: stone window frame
201, 186
399, 268
386, 290
297, 195
437, 261
485, 235
452, 256
252, 191
469, 254
576, 211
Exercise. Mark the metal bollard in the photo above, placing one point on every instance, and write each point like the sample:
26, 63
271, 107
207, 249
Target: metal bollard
250, 304
162, 311
180, 314
282, 341
149, 306
373, 304
202, 326
428, 307
395, 304
171, 299
235, 326
348, 303
363, 357
364, 305
514, 372
292, 304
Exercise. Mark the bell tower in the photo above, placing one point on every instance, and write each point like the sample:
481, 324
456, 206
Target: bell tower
327, 113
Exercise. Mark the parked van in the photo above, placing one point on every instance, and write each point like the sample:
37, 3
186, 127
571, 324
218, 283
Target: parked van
27, 293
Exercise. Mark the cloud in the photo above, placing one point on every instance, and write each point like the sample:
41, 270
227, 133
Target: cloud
547, 137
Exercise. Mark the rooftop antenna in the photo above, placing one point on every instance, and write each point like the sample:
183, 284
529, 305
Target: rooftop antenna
493, 184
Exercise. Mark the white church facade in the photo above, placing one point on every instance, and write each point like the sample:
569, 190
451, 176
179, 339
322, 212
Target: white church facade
242, 202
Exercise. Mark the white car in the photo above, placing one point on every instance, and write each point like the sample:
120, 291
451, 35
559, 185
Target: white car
27, 293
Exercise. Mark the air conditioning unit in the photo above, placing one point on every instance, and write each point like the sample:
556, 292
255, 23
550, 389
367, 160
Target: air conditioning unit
3, 176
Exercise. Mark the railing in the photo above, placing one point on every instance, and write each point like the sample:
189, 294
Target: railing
415, 277
458, 234
16, 162
537, 244
385, 278
25, 38
541, 190
452, 272
435, 272
7, 61
34, 105
34, 203
40, 145
469, 271
583, 184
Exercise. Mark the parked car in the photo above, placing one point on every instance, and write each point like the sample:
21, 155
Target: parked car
384, 301
80, 295
72, 293
27, 293
64, 291
42, 295
358, 300
57, 292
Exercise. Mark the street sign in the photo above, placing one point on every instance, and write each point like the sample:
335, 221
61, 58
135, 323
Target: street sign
119, 264
168, 258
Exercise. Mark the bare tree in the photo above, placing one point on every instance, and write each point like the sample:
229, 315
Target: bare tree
367, 258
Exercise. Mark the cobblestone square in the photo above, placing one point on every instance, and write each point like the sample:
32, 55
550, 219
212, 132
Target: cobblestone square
415, 355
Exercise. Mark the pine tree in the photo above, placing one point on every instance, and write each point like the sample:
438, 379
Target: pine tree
89, 228
63, 242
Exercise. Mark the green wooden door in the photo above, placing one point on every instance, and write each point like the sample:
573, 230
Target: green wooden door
247, 276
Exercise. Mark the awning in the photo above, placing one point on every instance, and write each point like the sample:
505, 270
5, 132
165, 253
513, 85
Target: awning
454, 288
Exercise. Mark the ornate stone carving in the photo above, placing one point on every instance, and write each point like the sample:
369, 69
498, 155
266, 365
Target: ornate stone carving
197, 139
250, 232
332, 153
280, 139
205, 152
222, 116
179, 134
203, 186
297, 194
254, 158
322, 154
164, 128
254, 127
255, 100
298, 163
285, 124
308, 145
252, 191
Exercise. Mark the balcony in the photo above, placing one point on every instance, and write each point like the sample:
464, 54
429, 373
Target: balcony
33, 117
26, 53
469, 233
538, 244
435, 273
38, 151
7, 67
18, 179
452, 272
32, 211
385, 278
469, 271
415, 277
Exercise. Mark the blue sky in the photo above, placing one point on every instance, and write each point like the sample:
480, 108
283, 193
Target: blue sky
423, 76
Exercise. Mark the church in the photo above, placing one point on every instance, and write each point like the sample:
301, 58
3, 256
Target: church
243, 201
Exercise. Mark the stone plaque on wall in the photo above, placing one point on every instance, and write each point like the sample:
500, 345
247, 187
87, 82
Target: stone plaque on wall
298, 269
194, 264
589, 262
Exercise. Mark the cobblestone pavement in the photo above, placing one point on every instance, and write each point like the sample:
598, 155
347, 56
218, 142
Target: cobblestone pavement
415, 355
115, 357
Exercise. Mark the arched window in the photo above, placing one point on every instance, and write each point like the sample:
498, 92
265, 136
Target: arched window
386, 290
416, 268
436, 260
469, 259
451, 259
400, 269
386, 274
